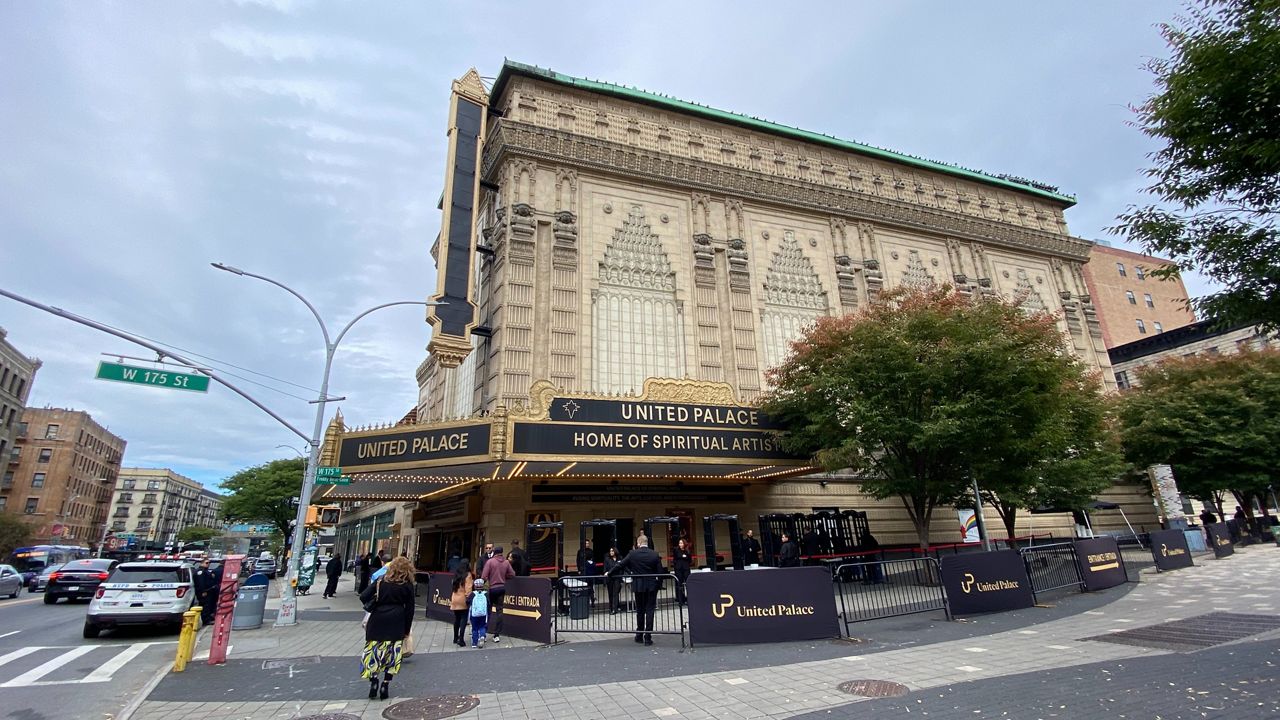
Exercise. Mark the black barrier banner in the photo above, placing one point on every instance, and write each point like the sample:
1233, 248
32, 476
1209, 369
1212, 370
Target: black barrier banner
986, 582
1169, 549
439, 592
1100, 564
1220, 539
527, 609
773, 605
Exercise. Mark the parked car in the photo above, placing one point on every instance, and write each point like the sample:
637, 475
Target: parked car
266, 566
142, 593
38, 581
78, 579
10, 581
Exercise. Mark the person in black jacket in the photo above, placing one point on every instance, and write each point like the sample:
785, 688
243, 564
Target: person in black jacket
644, 564
614, 583
206, 588
681, 566
332, 570
750, 549
389, 603
519, 560
789, 553
362, 573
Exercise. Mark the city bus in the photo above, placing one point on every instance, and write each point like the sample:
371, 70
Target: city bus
31, 560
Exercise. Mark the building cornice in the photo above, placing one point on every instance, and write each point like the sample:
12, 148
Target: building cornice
512, 138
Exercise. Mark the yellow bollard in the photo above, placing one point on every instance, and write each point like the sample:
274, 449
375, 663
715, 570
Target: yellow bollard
187, 639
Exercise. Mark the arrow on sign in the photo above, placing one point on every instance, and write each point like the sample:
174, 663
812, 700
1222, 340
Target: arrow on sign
535, 614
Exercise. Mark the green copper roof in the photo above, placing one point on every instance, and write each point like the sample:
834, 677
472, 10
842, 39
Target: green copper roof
510, 68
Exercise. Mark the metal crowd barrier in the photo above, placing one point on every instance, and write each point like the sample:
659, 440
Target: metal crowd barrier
1135, 554
1052, 567
584, 604
886, 588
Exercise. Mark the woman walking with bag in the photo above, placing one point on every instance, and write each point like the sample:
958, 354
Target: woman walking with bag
388, 605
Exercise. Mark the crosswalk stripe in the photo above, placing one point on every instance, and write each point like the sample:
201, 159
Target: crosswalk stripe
18, 653
31, 676
105, 671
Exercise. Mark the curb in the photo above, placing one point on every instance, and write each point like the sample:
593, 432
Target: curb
149, 687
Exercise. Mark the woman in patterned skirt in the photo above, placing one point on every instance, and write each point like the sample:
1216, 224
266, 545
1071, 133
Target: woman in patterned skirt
389, 603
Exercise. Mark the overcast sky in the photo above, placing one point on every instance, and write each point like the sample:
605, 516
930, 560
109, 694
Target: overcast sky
140, 141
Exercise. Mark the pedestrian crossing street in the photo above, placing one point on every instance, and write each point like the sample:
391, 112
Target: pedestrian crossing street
40, 665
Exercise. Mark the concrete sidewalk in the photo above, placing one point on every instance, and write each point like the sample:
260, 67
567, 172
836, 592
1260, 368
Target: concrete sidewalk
316, 669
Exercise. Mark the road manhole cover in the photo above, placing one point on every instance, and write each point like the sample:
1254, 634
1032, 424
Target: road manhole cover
431, 707
331, 716
873, 688
1194, 633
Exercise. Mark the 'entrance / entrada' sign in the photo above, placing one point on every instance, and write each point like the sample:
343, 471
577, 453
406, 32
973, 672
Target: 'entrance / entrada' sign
986, 582
527, 609
1169, 549
771, 605
1100, 564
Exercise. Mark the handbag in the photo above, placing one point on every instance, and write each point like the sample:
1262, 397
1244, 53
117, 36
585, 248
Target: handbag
368, 607
406, 646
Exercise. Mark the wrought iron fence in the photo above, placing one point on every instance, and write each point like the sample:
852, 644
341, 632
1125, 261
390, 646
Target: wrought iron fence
1052, 567
886, 588
598, 604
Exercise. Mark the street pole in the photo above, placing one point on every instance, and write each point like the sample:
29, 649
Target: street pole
288, 614
982, 524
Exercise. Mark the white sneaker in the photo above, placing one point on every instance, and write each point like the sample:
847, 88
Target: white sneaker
497, 639
482, 643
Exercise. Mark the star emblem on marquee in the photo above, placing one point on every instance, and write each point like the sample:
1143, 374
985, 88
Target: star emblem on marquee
571, 408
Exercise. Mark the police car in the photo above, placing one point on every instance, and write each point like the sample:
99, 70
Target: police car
142, 593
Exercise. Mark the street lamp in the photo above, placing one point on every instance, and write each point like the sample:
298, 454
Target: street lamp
300, 453
288, 614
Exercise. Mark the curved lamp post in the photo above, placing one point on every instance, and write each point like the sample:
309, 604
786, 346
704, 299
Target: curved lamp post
288, 614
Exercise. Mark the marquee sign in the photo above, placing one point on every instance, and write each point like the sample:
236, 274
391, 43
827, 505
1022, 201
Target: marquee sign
455, 250
986, 582
364, 452
1169, 549
771, 605
589, 441
631, 412
1100, 563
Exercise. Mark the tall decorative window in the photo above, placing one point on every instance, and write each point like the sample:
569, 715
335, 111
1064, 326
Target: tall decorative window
793, 299
638, 325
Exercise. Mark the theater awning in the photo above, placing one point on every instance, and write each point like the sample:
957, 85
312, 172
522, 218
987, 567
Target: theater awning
677, 431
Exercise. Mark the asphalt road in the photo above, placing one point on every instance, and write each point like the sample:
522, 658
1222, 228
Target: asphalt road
49, 671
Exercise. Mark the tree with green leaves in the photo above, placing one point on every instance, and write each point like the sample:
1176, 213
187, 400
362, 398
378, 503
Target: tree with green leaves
1214, 419
1217, 178
265, 493
15, 532
197, 533
925, 389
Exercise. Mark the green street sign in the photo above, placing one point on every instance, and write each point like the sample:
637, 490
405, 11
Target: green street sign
150, 376
328, 472
333, 481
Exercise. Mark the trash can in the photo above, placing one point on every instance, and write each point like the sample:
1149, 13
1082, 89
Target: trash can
579, 598
251, 603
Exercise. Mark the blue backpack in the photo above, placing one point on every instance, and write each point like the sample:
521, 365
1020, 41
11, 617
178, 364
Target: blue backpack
480, 604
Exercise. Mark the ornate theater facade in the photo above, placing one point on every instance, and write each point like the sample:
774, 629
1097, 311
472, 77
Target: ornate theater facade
619, 269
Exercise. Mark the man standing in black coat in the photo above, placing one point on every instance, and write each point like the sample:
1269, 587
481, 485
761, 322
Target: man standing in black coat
519, 560
362, 573
789, 553
333, 570
642, 562
206, 587
751, 549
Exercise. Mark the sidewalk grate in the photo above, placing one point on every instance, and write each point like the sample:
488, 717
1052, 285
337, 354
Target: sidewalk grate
1194, 633
290, 662
431, 707
873, 688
